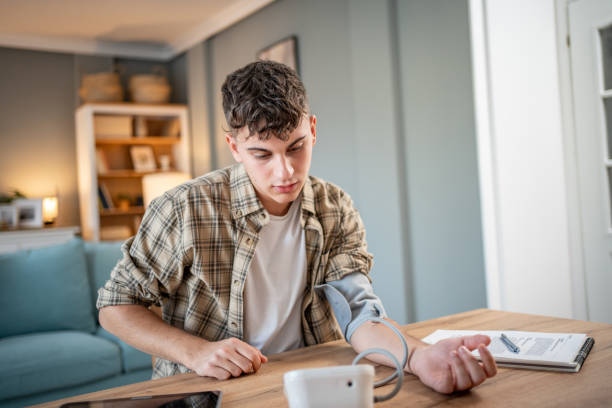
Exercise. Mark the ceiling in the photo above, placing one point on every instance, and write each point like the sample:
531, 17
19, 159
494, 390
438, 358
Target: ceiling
156, 29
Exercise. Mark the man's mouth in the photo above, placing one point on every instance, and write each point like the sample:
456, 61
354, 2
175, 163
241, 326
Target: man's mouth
285, 188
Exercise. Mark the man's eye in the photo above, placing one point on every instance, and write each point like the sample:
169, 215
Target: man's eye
262, 156
296, 148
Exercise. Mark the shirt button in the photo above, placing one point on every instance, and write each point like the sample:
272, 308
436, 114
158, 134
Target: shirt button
236, 282
248, 241
234, 325
238, 213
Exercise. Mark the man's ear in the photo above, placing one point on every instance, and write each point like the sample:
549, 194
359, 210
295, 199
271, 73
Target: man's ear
313, 128
231, 142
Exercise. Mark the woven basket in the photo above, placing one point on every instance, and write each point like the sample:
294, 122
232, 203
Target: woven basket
146, 79
151, 93
150, 88
101, 87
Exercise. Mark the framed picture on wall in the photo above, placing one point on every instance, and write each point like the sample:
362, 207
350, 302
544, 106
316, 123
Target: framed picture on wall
283, 51
30, 212
143, 158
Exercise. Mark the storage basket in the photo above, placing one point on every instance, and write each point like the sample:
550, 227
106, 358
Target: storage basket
150, 88
101, 87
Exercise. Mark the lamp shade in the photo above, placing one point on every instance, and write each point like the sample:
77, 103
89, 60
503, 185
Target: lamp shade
49, 209
156, 184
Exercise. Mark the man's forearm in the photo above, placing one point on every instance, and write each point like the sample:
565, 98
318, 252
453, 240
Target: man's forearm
141, 328
370, 335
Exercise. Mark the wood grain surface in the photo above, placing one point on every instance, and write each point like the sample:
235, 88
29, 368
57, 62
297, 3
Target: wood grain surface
591, 387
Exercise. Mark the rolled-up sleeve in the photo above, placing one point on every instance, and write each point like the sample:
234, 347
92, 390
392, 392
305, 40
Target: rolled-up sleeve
348, 249
153, 261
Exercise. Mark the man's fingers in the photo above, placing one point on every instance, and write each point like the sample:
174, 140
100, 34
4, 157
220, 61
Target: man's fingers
472, 342
476, 371
252, 354
218, 373
488, 362
264, 359
239, 360
220, 361
462, 377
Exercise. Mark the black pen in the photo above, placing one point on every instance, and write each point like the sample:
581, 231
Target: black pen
511, 346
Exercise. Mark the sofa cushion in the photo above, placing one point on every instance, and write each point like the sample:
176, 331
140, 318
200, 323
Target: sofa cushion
45, 289
101, 259
132, 359
39, 362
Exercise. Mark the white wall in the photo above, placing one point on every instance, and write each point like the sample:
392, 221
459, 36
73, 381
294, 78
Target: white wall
521, 156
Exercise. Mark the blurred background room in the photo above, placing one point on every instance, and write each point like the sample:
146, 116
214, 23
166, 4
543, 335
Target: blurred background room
474, 136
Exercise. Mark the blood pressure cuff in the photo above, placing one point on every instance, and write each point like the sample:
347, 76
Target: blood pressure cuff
353, 301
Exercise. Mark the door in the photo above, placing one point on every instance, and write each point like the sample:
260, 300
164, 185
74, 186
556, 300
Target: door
590, 27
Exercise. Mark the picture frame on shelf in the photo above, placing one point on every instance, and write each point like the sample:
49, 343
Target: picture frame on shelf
143, 158
9, 216
283, 51
29, 212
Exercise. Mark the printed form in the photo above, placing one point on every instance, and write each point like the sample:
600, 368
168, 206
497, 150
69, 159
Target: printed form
536, 348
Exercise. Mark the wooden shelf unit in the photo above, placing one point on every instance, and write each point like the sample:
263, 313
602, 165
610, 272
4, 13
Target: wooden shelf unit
145, 140
123, 174
165, 131
118, 211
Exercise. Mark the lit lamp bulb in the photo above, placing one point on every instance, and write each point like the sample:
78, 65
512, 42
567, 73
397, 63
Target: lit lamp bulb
49, 210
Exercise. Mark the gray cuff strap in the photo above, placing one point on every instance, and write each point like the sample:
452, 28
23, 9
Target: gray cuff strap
339, 304
364, 316
342, 310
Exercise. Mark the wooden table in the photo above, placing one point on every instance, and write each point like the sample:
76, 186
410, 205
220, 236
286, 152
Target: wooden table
591, 387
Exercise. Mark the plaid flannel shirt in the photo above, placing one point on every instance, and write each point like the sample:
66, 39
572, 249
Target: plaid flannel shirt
192, 252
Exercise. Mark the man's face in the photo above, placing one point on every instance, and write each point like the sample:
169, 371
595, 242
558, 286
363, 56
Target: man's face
277, 169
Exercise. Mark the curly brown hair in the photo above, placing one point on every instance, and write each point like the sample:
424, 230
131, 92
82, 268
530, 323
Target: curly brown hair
266, 96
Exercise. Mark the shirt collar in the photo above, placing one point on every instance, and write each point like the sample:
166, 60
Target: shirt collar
308, 197
244, 200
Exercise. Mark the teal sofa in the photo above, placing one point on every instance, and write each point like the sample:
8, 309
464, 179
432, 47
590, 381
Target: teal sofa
51, 344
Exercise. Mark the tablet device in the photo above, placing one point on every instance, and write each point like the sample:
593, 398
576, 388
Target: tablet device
203, 399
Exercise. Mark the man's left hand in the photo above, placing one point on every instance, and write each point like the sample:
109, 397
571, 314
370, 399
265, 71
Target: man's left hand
449, 365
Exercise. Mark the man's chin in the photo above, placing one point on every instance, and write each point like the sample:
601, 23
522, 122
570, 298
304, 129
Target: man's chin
286, 198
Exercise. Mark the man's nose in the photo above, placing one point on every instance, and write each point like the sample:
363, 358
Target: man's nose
283, 168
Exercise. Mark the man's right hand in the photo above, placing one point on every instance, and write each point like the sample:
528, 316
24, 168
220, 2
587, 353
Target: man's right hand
226, 358
143, 329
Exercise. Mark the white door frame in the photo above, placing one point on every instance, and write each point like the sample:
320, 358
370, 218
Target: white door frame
579, 299
486, 156
501, 269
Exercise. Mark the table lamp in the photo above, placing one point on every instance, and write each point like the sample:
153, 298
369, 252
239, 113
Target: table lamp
156, 184
49, 209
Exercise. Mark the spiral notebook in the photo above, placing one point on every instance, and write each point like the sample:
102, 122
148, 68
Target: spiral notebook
538, 351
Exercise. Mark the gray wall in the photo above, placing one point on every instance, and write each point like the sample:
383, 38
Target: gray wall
442, 172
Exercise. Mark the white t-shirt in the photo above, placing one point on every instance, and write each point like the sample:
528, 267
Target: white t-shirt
275, 285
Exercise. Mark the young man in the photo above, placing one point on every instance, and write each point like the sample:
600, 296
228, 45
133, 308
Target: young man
236, 257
